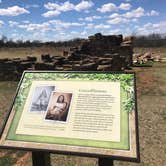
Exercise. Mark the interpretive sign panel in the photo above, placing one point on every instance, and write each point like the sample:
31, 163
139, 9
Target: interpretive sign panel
86, 113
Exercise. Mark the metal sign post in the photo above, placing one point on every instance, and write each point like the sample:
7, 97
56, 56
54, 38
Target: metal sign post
105, 162
41, 158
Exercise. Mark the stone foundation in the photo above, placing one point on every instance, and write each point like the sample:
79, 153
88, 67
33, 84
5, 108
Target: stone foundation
97, 53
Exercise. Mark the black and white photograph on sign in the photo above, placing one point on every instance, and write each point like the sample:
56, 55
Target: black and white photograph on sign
58, 106
40, 99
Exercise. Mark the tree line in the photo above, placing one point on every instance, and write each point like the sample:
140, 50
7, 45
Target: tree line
152, 40
5, 42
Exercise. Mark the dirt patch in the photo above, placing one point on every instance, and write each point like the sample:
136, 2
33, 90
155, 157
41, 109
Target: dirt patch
146, 81
2, 154
22, 161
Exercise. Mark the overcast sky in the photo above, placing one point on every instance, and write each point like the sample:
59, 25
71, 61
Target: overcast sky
54, 20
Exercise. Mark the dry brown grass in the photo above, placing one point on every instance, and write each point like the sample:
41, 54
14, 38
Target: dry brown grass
35, 51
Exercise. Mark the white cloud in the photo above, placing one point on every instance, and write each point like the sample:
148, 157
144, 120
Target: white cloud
139, 12
131, 16
114, 15
102, 26
75, 24
26, 21
136, 13
57, 8
84, 5
13, 23
115, 31
90, 18
13, 11
51, 13
73, 32
110, 7
118, 20
125, 6
157, 25
89, 26
43, 27
84, 33
62, 24
51, 25
87, 11
63, 33
81, 19
148, 25
32, 6
1, 23
16, 36
153, 13
98, 26
161, 24
149, 28
51, 6
145, 31
66, 6
96, 17
134, 20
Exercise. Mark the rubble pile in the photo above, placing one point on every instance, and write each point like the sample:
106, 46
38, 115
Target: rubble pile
143, 58
97, 53
118, 52
11, 69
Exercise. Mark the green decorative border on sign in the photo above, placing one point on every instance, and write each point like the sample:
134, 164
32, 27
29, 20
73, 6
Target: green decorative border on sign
127, 104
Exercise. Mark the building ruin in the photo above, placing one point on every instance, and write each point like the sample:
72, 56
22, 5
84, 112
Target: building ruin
97, 53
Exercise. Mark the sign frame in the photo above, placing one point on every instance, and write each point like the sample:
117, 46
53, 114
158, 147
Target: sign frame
70, 152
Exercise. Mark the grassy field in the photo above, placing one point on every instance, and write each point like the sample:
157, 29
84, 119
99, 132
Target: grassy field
151, 90
35, 51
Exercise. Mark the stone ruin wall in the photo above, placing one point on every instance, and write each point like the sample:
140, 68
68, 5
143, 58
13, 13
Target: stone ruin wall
97, 53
